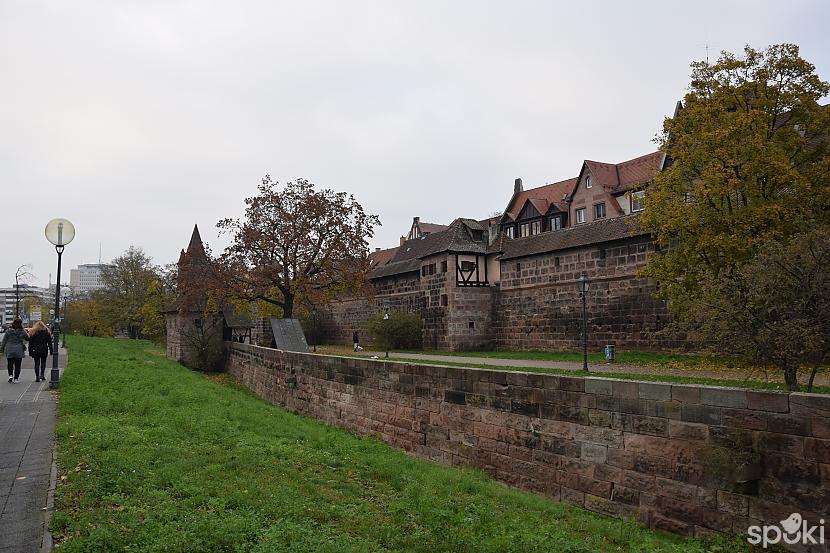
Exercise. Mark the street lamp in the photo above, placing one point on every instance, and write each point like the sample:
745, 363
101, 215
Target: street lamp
21, 273
584, 284
314, 327
65, 297
59, 232
386, 328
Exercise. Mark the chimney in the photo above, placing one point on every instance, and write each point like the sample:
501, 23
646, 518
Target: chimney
517, 186
377, 249
416, 220
403, 239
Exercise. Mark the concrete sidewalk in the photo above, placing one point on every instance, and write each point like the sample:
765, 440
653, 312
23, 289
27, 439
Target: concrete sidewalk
27, 474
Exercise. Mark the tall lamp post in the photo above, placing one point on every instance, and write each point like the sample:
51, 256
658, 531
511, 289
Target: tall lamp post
584, 284
59, 232
314, 328
386, 328
65, 297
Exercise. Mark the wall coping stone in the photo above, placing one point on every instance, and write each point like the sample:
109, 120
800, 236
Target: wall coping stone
718, 396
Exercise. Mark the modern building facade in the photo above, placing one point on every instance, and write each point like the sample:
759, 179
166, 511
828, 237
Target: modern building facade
87, 278
31, 303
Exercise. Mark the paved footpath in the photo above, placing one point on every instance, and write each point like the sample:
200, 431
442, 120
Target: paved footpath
27, 474
726, 374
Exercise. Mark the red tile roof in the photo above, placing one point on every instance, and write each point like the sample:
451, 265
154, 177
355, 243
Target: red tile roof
620, 177
638, 171
431, 227
549, 194
381, 257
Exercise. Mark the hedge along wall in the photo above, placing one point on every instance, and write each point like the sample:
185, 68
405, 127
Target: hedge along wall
666, 455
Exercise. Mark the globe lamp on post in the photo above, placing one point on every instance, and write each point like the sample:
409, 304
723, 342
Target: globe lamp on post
59, 232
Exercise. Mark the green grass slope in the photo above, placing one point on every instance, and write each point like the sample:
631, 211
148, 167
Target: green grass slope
154, 457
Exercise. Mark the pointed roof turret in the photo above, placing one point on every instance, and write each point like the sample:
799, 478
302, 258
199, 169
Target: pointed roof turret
196, 246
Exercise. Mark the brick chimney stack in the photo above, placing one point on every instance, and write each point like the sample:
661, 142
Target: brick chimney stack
517, 186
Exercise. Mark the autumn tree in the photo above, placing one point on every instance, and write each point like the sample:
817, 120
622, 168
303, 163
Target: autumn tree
128, 281
87, 316
161, 295
296, 242
773, 309
747, 167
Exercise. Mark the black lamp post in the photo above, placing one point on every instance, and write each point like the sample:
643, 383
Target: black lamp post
584, 284
65, 297
386, 328
59, 232
314, 328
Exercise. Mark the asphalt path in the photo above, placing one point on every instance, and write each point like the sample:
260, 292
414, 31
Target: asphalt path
27, 468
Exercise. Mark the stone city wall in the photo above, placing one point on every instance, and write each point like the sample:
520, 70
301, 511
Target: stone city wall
687, 459
538, 306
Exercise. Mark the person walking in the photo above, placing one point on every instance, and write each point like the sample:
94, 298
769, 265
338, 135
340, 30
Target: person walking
14, 347
356, 340
40, 345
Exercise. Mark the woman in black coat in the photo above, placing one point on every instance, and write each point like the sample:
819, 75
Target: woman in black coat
40, 345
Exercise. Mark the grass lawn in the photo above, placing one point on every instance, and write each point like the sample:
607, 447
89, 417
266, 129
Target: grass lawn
647, 358
547, 356
154, 457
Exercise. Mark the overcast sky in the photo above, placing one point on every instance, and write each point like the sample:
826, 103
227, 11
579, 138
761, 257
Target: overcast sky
137, 119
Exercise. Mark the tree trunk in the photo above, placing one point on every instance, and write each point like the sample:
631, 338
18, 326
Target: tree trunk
288, 305
791, 378
812, 378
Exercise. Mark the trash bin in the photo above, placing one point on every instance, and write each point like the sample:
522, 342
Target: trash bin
610, 353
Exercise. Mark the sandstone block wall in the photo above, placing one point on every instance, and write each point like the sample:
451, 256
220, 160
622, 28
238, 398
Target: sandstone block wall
665, 455
538, 306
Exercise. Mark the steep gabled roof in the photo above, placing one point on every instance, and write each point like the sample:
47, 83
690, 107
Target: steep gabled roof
431, 227
457, 238
638, 171
554, 193
616, 178
460, 236
603, 230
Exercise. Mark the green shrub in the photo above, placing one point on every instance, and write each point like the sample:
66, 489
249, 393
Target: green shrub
403, 330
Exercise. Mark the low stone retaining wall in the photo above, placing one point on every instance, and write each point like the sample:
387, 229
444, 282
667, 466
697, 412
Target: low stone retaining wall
687, 459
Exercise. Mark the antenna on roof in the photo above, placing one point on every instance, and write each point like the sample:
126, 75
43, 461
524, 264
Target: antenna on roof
99, 252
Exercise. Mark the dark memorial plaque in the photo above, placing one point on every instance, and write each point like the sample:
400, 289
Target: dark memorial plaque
288, 335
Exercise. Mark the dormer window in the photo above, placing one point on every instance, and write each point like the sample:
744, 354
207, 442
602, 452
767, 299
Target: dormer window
555, 223
588, 183
638, 200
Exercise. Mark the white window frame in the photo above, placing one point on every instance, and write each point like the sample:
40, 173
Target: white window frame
604, 211
580, 216
639, 197
588, 183
524, 230
555, 223
511, 232
535, 227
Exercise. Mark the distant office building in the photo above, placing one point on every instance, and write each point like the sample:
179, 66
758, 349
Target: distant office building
86, 278
32, 303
